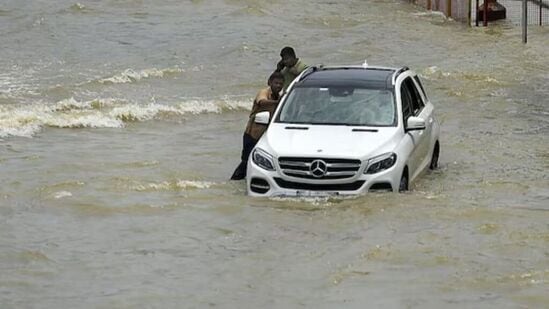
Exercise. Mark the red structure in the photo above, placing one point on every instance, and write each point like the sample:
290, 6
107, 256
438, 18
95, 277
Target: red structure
491, 10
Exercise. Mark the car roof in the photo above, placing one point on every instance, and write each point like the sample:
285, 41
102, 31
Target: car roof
350, 76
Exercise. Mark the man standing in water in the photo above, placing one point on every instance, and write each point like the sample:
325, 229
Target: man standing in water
290, 66
266, 100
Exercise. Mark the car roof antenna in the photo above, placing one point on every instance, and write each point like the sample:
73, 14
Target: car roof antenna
365, 64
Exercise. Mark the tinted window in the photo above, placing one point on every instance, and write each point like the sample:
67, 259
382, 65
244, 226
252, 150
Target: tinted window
418, 81
406, 102
416, 100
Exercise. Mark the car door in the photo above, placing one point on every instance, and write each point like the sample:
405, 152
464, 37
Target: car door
415, 136
425, 112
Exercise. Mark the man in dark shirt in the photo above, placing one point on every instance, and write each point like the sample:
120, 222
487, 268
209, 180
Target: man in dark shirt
290, 66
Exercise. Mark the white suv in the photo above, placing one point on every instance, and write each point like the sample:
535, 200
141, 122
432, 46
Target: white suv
345, 130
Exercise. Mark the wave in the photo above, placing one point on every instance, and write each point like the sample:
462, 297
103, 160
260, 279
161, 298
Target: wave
434, 73
20, 83
169, 186
78, 7
61, 194
132, 76
26, 120
12, 85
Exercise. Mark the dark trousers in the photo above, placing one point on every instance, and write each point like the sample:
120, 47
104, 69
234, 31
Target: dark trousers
248, 143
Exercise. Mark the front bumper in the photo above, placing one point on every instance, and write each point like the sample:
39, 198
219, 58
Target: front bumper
260, 182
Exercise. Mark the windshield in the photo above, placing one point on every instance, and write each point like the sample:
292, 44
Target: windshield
339, 106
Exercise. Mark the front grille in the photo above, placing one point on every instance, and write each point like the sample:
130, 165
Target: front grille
319, 187
335, 168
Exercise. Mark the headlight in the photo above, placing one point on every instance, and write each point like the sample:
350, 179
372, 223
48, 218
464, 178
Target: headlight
381, 163
263, 159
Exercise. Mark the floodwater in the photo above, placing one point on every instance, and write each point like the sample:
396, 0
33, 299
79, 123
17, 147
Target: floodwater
121, 121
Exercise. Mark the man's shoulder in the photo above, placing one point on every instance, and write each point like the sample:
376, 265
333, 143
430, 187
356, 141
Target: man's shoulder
297, 68
300, 65
263, 94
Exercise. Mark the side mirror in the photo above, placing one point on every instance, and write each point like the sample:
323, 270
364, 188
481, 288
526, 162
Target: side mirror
415, 124
262, 117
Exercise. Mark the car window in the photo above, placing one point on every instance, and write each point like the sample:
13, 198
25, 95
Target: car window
406, 98
337, 105
416, 100
418, 82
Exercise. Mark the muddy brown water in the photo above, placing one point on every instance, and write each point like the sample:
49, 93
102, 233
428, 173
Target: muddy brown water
121, 121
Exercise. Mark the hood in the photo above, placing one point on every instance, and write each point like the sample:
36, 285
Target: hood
327, 141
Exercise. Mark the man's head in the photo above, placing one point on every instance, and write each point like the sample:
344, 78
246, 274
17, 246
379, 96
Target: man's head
276, 82
288, 56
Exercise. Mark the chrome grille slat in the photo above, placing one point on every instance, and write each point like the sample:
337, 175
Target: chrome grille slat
300, 164
340, 173
335, 168
343, 165
299, 172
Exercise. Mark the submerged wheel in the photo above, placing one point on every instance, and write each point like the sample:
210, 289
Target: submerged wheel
403, 186
434, 158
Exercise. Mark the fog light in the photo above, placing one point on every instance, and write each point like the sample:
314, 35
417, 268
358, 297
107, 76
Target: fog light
259, 185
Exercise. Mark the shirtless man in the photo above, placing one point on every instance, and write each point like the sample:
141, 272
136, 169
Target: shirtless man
266, 100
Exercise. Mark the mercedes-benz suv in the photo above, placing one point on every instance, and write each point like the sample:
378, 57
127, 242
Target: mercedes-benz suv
345, 130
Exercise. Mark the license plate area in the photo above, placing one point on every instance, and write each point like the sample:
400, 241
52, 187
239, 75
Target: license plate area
308, 193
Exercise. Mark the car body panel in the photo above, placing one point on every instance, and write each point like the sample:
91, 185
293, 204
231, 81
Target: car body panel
327, 141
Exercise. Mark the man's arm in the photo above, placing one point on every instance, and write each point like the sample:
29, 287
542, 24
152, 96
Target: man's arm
263, 100
279, 66
265, 103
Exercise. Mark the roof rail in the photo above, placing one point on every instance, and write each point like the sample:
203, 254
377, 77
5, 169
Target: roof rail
310, 70
397, 73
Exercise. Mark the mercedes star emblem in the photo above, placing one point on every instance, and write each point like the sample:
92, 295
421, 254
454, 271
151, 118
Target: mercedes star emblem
318, 168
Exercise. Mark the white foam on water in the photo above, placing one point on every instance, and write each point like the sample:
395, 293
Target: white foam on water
23, 131
131, 76
434, 70
238, 104
489, 79
430, 13
313, 200
84, 121
136, 112
71, 103
12, 86
193, 184
78, 6
151, 186
28, 119
167, 186
62, 194
214, 106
